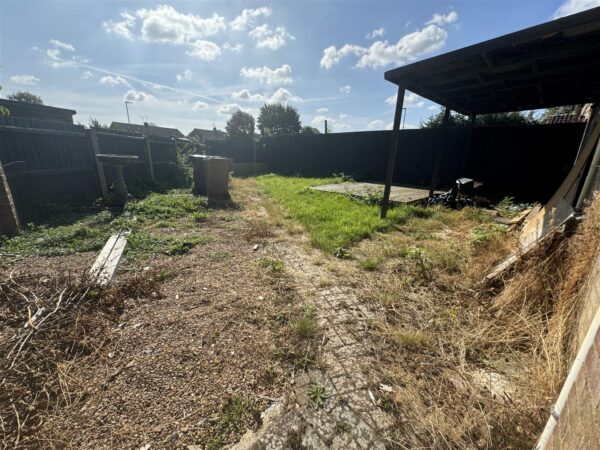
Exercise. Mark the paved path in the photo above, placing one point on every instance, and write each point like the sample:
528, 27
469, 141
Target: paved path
350, 418
398, 194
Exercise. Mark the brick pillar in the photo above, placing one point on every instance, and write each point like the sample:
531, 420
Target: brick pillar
9, 221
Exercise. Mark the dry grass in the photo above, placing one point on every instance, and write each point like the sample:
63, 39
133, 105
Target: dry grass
474, 366
49, 326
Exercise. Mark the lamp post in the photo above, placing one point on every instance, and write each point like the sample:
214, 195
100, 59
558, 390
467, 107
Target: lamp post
127, 109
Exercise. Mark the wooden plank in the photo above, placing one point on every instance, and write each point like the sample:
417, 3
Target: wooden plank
95, 146
103, 269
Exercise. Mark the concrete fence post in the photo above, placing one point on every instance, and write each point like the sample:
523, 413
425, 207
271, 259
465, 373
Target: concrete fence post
148, 152
95, 146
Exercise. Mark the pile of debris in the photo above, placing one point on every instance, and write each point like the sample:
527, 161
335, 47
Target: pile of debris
462, 194
48, 326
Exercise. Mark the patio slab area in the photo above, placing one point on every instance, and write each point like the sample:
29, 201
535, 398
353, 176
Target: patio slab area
398, 194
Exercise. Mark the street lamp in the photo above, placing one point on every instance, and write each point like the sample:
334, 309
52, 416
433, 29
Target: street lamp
127, 109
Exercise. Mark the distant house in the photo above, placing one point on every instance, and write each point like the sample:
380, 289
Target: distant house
41, 112
200, 134
147, 130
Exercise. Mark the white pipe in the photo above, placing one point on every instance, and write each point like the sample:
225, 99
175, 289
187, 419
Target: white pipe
569, 382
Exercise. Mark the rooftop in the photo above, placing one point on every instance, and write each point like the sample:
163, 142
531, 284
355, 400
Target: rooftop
148, 130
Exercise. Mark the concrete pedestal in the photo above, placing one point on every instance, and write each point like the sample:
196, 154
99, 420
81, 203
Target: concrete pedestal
119, 195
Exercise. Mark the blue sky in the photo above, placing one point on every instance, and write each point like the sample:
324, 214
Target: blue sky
187, 64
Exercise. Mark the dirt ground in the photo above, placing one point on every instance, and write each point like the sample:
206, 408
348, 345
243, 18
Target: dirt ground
256, 340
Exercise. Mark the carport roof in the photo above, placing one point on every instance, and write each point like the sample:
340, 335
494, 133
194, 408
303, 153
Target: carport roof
552, 64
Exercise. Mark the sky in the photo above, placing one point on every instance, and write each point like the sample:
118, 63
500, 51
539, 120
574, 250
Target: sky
191, 64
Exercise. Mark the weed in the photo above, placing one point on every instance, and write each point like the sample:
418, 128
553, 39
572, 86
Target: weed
237, 413
476, 214
316, 393
412, 340
306, 326
370, 264
220, 256
486, 232
341, 253
293, 440
274, 266
199, 217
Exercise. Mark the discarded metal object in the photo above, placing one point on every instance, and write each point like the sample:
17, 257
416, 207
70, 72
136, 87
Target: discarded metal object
119, 195
103, 269
462, 194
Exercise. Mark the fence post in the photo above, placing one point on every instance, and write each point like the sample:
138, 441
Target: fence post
9, 219
148, 151
93, 138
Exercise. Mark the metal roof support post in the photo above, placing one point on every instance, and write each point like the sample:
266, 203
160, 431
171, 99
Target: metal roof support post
392, 153
438, 156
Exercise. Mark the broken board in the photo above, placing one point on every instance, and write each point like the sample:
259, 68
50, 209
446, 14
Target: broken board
103, 269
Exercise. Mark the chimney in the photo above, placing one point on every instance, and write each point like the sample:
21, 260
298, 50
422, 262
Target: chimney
146, 124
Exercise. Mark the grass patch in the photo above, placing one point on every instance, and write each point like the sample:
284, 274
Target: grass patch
306, 325
333, 221
274, 266
238, 413
486, 232
175, 210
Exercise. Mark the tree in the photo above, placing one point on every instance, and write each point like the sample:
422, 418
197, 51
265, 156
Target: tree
25, 97
240, 125
95, 124
458, 120
275, 119
310, 130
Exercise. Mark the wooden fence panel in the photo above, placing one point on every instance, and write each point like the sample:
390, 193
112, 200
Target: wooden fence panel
47, 168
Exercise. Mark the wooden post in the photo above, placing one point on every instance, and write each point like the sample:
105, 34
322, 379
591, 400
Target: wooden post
438, 157
9, 219
148, 152
389, 176
93, 137
325, 126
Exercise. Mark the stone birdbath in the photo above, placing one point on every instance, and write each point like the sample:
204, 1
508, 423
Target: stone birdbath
119, 195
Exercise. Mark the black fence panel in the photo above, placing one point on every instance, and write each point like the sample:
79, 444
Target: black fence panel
239, 150
44, 170
525, 162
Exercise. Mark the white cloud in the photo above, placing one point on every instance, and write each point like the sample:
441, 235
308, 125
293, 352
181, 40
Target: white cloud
245, 94
332, 56
266, 37
569, 7
233, 48
227, 110
381, 53
434, 107
62, 45
187, 75
28, 80
87, 75
109, 80
376, 33
165, 24
55, 58
390, 126
205, 50
266, 75
345, 116
248, 17
137, 96
426, 40
199, 105
283, 96
121, 28
375, 124
322, 110
443, 19
319, 122
411, 100
345, 89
